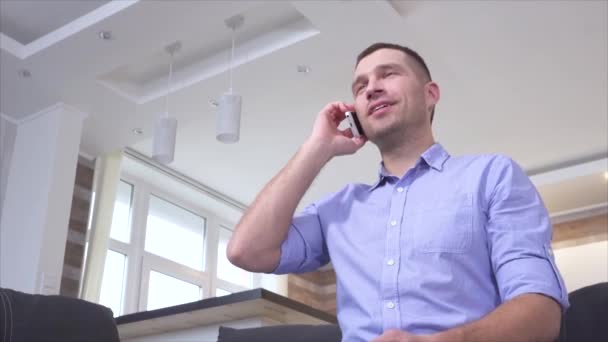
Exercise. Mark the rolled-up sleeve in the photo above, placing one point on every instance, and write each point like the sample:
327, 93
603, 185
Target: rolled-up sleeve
519, 234
304, 249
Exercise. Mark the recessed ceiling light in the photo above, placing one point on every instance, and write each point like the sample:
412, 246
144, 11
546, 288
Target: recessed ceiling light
304, 69
137, 131
105, 35
24, 73
213, 103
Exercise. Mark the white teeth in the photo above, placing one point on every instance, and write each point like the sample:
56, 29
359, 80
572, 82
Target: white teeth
379, 107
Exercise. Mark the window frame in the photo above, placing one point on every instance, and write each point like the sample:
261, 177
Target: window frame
140, 262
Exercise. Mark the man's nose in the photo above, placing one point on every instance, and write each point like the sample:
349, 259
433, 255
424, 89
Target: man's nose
374, 90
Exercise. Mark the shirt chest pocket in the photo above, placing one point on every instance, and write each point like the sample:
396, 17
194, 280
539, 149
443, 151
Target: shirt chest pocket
444, 225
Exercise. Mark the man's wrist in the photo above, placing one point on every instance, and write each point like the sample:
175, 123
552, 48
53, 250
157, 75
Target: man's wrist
317, 150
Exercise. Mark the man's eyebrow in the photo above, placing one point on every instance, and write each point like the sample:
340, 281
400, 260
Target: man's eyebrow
390, 66
380, 67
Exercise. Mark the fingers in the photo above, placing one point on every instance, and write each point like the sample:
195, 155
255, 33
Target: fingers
335, 111
346, 107
346, 144
347, 133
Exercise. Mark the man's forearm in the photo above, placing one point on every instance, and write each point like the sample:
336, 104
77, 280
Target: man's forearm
257, 238
529, 317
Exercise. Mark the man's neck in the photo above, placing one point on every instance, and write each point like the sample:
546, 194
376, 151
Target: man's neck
399, 158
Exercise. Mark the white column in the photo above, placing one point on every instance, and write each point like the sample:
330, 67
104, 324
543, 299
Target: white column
8, 133
105, 186
38, 198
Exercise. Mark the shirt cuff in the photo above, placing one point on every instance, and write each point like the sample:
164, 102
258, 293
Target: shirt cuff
293, 253
533, 275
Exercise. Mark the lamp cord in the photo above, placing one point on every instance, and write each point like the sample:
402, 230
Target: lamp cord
232, 58
166, 113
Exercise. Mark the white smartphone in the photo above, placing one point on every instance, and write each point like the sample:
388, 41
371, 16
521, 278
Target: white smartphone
355, 125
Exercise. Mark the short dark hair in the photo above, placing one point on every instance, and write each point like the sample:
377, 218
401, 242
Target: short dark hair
407, 51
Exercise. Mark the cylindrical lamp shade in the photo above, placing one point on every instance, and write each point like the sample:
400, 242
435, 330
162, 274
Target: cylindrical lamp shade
228, 118
164, 140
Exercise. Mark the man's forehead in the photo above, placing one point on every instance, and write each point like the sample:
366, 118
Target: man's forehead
379, 58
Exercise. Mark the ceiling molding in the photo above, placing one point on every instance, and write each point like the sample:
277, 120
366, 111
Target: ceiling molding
24, 51
579, 213
59, 106
569, 172
263, 44
11, 46
149, 162
9, 119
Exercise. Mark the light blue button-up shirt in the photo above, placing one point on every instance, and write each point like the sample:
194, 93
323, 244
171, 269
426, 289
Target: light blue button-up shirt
442, 246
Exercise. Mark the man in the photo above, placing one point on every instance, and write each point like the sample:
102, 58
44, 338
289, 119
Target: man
440, 248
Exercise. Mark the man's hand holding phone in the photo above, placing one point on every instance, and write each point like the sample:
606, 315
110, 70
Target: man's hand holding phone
327, 138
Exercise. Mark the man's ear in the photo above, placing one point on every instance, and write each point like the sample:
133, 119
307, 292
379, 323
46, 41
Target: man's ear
432, 94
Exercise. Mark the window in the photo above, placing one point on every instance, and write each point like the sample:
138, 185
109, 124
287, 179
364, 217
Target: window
225, 269
121, 228
175, 233
113, 283
166, 251
165, 290
219, 292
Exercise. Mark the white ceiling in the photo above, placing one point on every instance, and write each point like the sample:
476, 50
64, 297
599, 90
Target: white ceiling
28, 20
528, 79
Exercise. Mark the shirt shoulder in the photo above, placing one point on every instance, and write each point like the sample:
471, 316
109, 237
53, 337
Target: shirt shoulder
482, 161
483, 174
488, 169
345, 195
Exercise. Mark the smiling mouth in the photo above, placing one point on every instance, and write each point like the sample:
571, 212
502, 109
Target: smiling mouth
380, 107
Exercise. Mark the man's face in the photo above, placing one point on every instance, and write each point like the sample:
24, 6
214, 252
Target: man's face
389, 95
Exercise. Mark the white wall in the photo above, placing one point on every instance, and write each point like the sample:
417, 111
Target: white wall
8, 133
583, 265
38, 197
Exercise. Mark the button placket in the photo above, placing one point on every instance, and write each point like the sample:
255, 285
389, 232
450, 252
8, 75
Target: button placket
392, 254
390, 276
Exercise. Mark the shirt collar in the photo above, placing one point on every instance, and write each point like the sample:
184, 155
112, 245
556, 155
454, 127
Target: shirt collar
435, 156
382, 174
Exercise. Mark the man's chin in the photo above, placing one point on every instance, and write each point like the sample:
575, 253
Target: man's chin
384, 135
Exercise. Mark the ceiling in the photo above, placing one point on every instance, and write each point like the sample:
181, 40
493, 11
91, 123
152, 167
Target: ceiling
28, 20
527, 79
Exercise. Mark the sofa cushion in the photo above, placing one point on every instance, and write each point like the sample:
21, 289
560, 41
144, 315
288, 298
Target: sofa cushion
585, 320
26, 317
282, 333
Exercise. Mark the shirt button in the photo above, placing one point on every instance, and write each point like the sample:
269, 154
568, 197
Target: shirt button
390, 262
390, 305
393, 223
399, 189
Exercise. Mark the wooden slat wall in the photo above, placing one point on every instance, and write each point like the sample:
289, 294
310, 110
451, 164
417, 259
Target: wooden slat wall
77, 229
317, 289
574, 233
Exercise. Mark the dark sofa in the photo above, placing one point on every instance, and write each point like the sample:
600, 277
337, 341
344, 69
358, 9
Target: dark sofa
26, 318
282, 333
